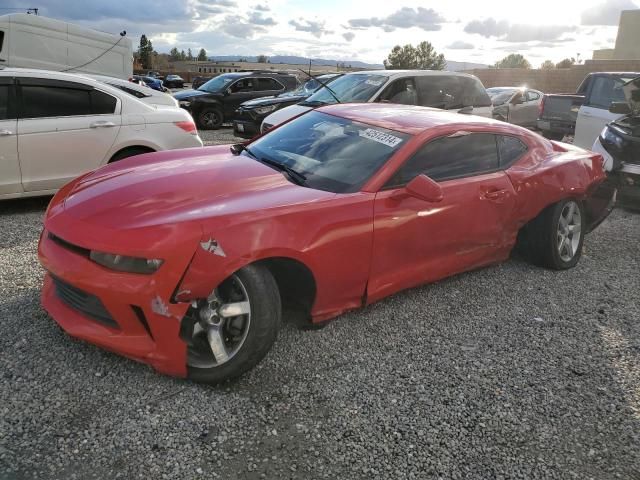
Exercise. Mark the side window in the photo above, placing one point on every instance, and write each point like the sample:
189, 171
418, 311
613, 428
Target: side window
401, 91
450, 157
510, 148
268, 84
604, 91
102, 103
440, 91
243, 85
474, 94
7, 107
531, 96
41, 101
1, 39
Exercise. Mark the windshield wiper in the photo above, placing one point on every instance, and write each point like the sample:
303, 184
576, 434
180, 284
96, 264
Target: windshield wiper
313, 103
294, 175
333, 94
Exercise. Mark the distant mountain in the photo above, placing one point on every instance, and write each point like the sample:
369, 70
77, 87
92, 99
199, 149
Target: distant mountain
295, 60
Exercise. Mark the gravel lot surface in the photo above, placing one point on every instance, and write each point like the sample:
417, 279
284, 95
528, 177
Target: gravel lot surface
507, 372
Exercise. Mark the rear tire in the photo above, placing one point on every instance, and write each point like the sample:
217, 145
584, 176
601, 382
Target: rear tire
129, 152
248, 347
558, 136
554, 238
210, 118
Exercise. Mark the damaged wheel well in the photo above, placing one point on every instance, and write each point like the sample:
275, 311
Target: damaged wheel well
295, 281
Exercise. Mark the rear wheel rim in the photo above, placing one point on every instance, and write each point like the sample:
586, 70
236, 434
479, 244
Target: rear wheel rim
569, 231
210, 119
222, 327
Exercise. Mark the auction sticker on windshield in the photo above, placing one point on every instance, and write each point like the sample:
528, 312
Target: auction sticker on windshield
380, 137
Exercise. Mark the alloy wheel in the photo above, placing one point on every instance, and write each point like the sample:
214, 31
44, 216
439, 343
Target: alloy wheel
222, 326
569, 231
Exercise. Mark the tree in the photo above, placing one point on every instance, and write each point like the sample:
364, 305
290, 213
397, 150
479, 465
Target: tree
566, 63
547, 65
202, 55
145, 52
262, 59
183, 56
513, 60
174, 54
189, 54
422, 57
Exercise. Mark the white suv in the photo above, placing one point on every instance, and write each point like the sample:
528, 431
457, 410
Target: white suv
428, 88
55, 126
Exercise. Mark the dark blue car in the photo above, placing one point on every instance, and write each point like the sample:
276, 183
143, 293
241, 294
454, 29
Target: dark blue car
150, 82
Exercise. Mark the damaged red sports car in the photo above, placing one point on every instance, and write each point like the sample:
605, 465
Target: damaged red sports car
185, 259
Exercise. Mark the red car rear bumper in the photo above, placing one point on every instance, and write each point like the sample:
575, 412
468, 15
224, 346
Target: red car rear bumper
125, 313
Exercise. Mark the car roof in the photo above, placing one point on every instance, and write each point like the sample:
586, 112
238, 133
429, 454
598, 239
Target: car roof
402, 118
411, 73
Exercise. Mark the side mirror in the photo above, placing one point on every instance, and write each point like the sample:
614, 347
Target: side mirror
227, 91
423, 188
620, 107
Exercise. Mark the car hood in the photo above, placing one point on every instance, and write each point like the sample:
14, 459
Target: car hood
632, 94
280, 116
272, 100
186, 94
181, 186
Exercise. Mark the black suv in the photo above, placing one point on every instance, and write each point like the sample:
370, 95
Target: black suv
216, 101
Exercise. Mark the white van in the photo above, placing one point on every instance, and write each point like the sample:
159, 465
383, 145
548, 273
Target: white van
32, 41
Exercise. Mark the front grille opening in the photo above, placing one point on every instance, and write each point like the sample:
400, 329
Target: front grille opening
69, 246
85, 303
142, 319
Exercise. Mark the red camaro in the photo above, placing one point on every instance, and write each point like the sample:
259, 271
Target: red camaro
184, 259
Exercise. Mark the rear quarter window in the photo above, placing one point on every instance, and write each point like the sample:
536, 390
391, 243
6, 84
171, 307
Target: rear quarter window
102, 103
510, 149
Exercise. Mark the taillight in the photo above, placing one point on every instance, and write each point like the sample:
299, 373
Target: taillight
187, 126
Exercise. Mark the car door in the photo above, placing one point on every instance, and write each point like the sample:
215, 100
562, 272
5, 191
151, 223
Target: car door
266, 86
523, 108
10, 181
239, 91
416, 241
594, 113
64, 129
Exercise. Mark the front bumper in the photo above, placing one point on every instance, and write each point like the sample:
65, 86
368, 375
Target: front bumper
146, 325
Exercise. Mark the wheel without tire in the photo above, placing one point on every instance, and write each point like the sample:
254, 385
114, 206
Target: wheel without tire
554, 239
236, 326
210, 119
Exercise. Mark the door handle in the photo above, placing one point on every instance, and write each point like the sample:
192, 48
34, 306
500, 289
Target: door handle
102, 124
496, 194
4, 133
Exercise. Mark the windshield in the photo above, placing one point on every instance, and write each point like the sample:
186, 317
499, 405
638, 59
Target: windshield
310, 86
216, 84
333, 153
349, 88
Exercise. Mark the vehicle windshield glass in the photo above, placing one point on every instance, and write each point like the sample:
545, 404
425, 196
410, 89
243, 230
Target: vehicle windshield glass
216, 84
349, 88
309, 87
333, 153
502, 97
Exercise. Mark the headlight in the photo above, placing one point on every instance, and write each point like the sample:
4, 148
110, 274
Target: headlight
266, 109
608, 135
123, 263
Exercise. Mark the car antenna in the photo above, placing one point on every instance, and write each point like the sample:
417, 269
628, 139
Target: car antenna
333, 94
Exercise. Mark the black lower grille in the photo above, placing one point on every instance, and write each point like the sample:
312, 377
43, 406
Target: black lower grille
84, 302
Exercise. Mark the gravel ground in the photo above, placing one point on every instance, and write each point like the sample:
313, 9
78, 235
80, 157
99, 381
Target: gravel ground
507, 372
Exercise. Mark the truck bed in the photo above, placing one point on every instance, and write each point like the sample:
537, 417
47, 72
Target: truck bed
558, 114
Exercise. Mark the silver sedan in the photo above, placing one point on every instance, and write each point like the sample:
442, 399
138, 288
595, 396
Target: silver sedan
516, 105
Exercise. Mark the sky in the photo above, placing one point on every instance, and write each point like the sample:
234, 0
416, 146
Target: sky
464, 30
